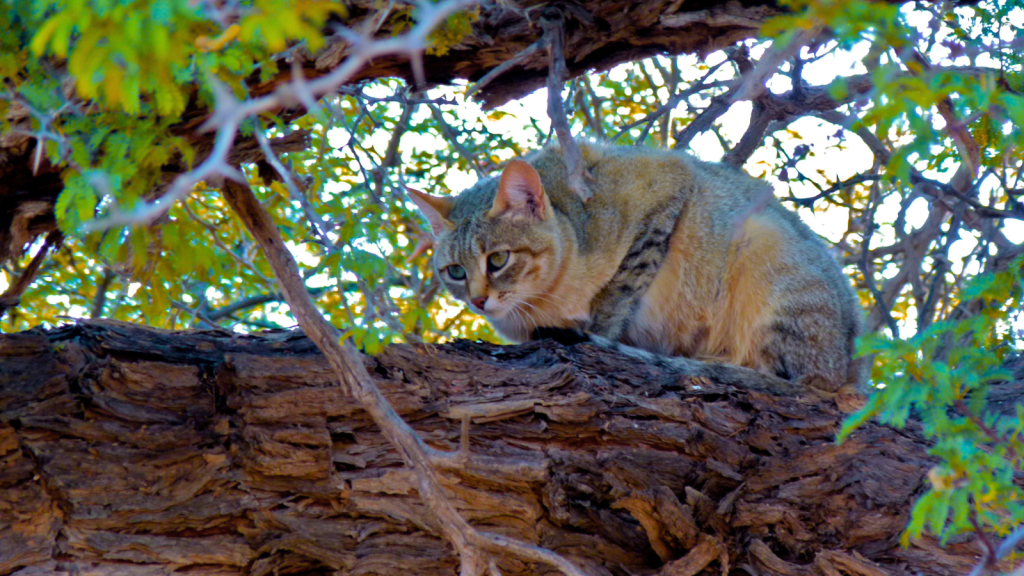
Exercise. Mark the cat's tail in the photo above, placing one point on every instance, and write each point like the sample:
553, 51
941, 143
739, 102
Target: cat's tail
719, 373
716, 372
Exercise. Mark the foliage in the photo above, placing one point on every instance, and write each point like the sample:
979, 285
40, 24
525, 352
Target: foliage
943, 375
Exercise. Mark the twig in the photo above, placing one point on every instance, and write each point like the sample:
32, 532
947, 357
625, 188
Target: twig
315, 221
809, 202
551, 23
674, 101
12, 296
986, 542
753, 83
220, 244
505, 66
355, 380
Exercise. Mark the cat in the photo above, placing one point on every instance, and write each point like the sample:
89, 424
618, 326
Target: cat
672, 257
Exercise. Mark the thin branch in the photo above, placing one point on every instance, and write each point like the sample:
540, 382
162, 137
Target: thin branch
874, 143
962, 408
505, 66
970, 152
449, 134
760, 118
990, 549
595, 102
809, 202
251, 302
99, 301
552, 24
753, 83
881, 308
674, 101
355, 380
297, 195
12, 296
198, 316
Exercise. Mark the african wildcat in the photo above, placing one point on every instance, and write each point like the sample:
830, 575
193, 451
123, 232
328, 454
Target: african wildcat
671, 255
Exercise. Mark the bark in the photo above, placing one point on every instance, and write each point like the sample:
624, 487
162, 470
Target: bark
126, 449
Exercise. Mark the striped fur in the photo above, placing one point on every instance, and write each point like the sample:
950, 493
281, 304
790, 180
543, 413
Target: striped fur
671, 258
618, 300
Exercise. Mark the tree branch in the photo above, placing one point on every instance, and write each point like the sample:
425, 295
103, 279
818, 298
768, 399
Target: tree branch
552, 23
346, 363
12, 296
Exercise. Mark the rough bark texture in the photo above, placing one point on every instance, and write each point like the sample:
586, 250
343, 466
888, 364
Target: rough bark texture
126, 449
599, 34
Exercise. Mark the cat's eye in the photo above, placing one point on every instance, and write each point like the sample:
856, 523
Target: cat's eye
497, 260
456, 272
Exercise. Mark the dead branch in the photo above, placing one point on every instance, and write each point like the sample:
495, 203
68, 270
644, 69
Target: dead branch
347, 365
507, 65
551, 22
12, 296
752, 84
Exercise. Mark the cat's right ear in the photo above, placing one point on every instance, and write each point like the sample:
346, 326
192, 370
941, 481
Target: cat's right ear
435, 208
521, 192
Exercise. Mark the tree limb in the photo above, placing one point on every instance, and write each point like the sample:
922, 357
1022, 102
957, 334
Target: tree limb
345, 361
12, 296
551, 22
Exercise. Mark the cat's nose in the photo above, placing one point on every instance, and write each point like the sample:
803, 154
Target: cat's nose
479, 301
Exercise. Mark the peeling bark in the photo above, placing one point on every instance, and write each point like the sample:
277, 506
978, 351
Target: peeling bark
124, 448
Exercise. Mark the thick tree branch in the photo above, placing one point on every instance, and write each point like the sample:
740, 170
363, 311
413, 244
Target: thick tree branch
129, 449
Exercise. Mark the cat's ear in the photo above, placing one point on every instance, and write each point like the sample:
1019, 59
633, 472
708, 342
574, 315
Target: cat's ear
521, 193
435, 208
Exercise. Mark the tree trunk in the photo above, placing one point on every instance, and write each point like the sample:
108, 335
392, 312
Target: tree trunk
126, 449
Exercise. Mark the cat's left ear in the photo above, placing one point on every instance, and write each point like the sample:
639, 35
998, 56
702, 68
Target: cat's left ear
435, 208
521, 193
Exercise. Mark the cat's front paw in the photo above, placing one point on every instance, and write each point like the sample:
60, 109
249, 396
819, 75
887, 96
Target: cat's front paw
564, 336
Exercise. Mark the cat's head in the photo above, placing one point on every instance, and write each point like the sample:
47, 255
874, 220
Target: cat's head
496, 245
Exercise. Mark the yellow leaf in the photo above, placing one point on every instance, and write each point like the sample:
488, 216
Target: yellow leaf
42, 38
205, 44
112, 84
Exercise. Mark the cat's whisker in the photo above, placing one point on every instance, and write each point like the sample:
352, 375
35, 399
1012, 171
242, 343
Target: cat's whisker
546, 316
